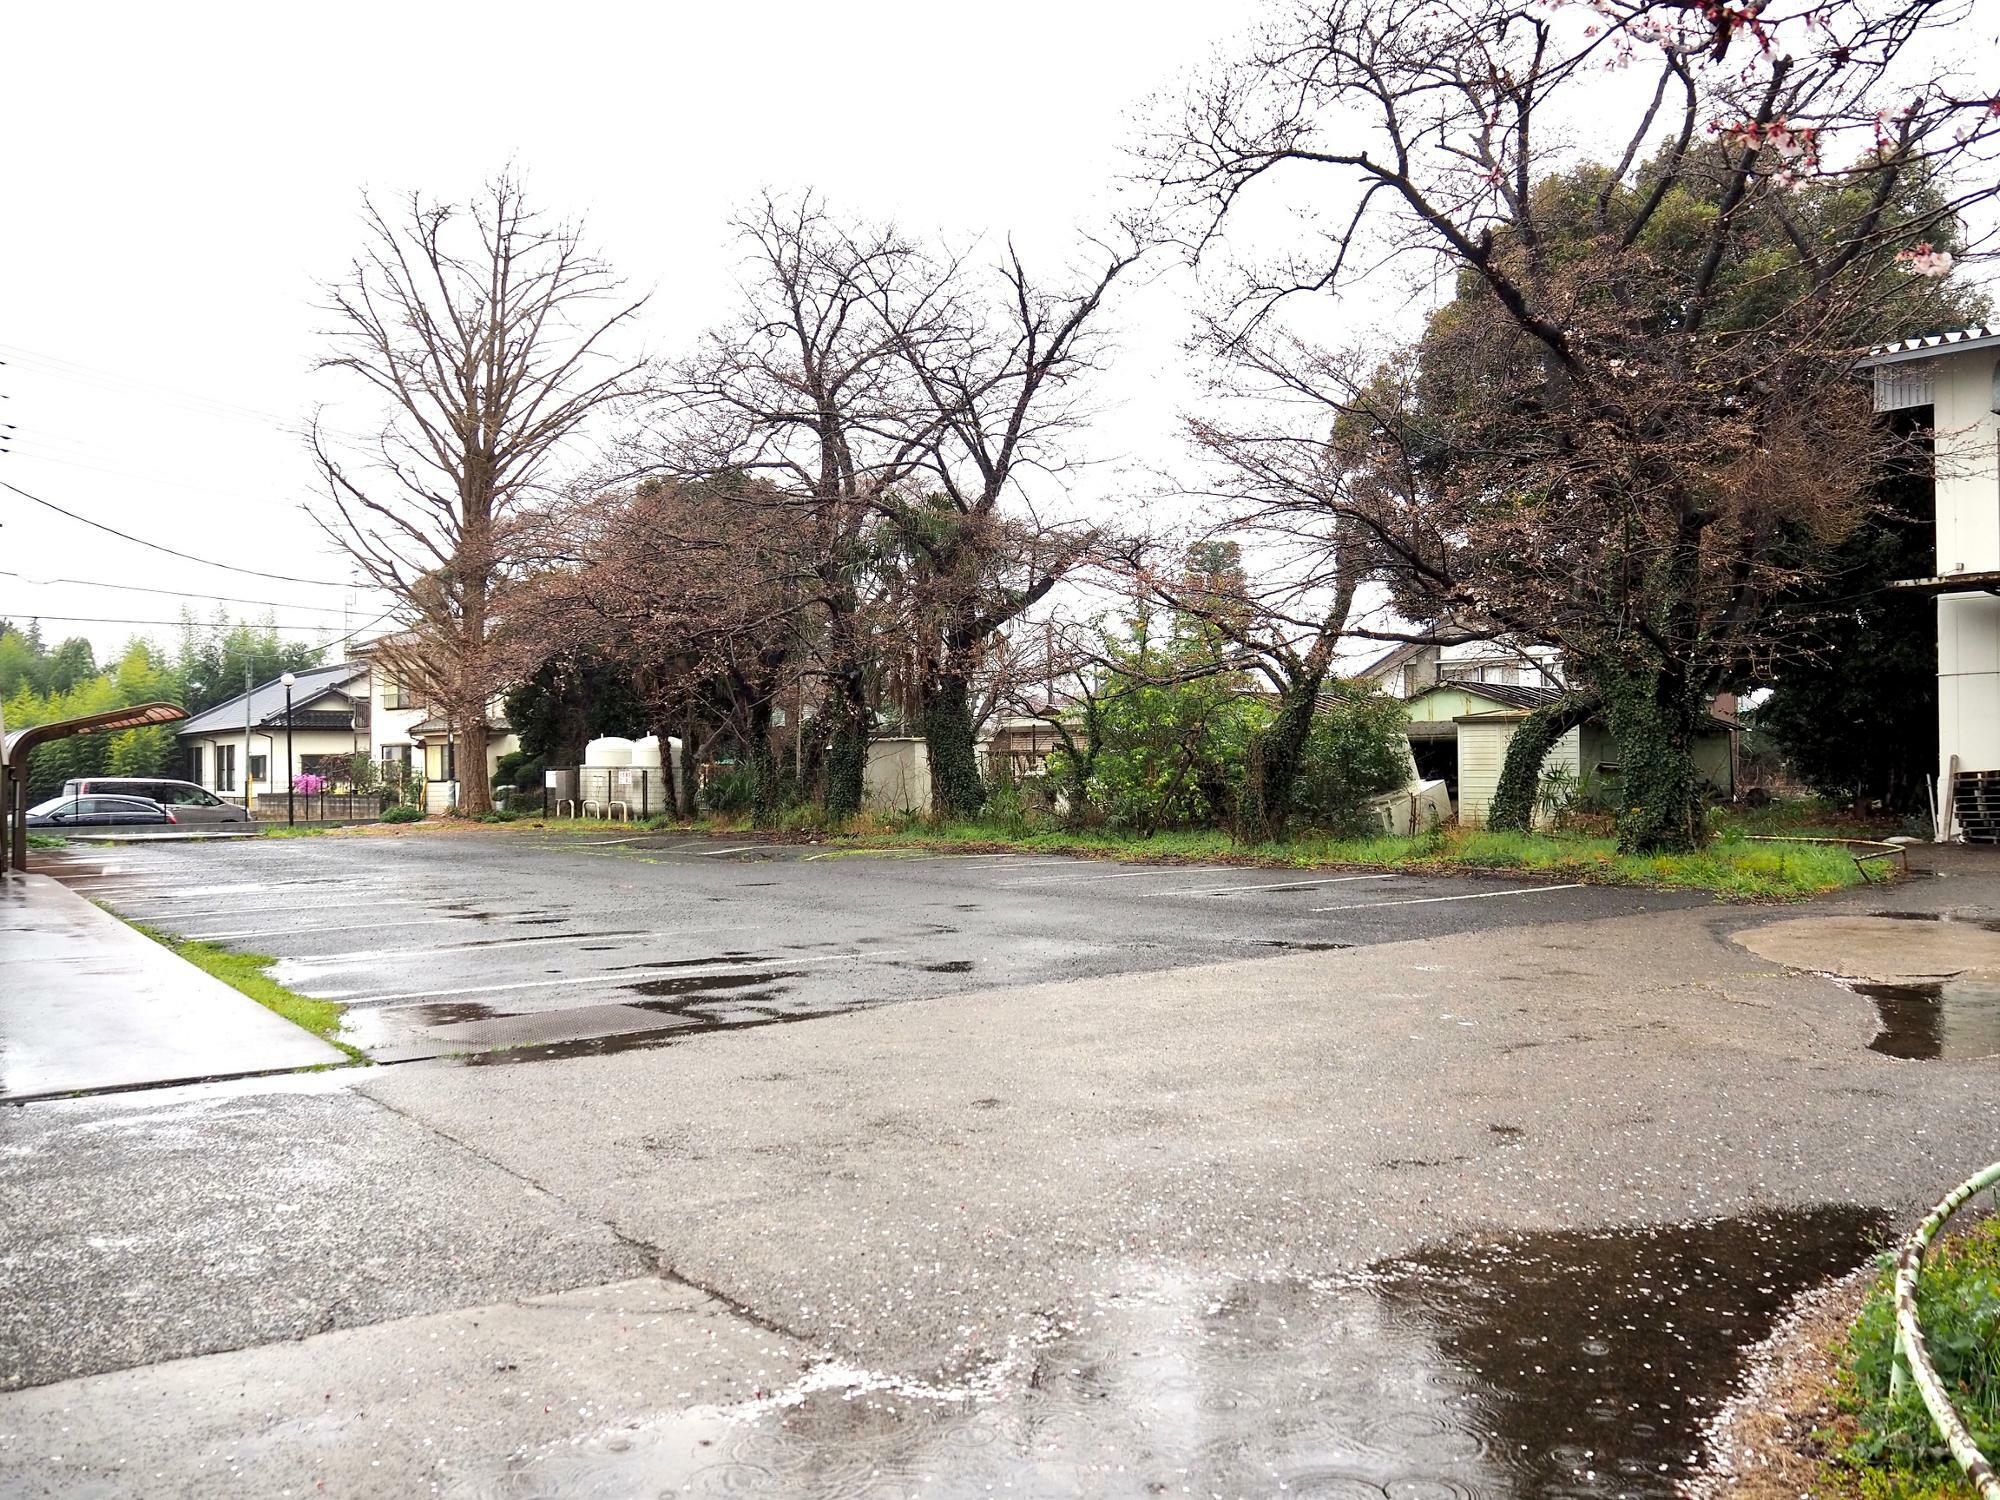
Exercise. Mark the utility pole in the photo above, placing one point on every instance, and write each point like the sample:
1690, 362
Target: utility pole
291, 797
248, 810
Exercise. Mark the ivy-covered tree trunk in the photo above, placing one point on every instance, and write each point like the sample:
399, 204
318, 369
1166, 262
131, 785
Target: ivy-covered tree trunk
1653, 720
1270, 782
844, 765
1513, 805
956, 788
690, 789
763, 768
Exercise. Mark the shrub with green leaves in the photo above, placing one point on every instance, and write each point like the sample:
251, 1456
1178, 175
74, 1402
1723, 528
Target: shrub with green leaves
1358, 749
402, 812
1174, 732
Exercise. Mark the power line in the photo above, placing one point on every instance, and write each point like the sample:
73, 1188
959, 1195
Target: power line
100, 376
170, 551
114, 620
136, 588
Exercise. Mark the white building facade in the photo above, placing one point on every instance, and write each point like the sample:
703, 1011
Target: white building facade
1957, 375
353, 708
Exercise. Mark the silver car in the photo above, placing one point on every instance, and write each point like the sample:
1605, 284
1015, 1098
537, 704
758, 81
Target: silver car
186, 801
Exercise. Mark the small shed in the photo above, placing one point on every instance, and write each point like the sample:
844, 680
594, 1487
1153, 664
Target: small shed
1460, 731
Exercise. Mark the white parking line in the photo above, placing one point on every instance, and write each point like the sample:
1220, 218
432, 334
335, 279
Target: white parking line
1526, 890
619, 978
172, 892
1269, 885
278, 907
237, 932
1157, 870
739, 849
369, 955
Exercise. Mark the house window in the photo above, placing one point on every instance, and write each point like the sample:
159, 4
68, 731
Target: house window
395, 695
225, 768
440, 761
257, 772
195, 759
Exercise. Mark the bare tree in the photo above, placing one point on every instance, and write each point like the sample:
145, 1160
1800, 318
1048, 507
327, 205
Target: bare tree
807, 392
1002, 384
705, 616
1632, 430
482, 329
877, 393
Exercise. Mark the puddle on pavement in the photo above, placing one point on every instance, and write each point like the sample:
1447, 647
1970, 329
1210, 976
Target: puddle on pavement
701, 984
732, 956
746, 1005
588, 1046
1933, 1020
452, 1012
1554, 1365
643, 1041
1989, 924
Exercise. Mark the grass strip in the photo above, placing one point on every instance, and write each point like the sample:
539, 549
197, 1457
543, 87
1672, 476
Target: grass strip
1731, 867
247, 972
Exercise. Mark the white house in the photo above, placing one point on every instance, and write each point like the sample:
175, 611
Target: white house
357, 707
1412, 668
239, 747
1957, 376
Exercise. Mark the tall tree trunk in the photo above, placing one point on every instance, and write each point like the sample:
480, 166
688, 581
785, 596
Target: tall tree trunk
475, 782
690, 793
956, 788
844, 767
1513, 805
1270, 782
763, 768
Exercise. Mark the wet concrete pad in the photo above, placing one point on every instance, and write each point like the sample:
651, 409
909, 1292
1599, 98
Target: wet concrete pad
402, 1408
88, 1003
150, 1226
1879, 948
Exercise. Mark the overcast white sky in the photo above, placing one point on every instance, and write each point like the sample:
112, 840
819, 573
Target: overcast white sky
181, 179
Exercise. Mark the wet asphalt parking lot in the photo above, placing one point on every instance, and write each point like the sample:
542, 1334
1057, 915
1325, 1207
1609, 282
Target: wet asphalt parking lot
1460, 1189
526, 944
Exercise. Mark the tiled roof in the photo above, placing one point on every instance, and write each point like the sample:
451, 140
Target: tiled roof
267, 700
1513, 694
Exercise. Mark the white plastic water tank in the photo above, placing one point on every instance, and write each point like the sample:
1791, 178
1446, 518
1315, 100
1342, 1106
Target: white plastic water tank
609, 751
646, 752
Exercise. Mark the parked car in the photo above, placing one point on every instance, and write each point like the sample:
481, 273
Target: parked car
97, 812
191, 804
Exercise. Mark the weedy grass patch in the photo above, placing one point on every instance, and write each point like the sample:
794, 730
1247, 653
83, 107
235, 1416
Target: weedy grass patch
1891, 1448
1729, 866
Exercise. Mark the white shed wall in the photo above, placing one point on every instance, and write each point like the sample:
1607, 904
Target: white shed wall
1968, 540
1968, 465
898, 776
1482, 752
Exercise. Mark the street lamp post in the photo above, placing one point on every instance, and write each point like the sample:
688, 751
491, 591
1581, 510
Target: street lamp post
291, 810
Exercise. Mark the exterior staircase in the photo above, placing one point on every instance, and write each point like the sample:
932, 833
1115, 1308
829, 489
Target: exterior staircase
1975, 802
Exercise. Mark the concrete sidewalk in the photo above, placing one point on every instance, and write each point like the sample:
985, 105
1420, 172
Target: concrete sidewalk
87, 1003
